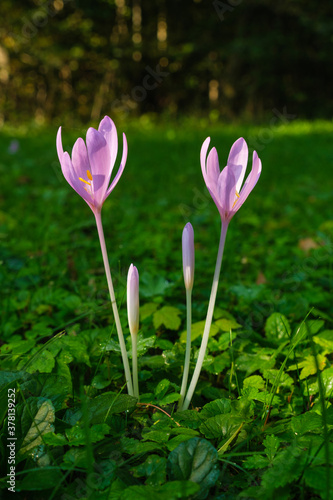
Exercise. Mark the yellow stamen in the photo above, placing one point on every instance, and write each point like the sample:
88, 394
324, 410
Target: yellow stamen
86, 182
89, 175
237, 194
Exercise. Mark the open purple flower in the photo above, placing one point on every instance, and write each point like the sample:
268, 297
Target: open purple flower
226, 187
90, 168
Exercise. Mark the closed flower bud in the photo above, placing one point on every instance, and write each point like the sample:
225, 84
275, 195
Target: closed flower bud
133, 299
188, 255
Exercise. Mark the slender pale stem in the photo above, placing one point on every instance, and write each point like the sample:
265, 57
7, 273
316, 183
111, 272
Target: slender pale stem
188, 347
135, 364
114, 304
209, 318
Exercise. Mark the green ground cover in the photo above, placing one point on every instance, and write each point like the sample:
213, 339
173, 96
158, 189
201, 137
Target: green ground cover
261, 419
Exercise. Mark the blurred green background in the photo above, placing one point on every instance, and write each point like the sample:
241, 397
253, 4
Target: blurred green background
76, 60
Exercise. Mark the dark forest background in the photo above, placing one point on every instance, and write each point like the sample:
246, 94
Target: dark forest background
78, 59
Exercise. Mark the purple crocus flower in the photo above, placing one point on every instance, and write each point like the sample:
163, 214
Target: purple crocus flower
90, 168
225, 187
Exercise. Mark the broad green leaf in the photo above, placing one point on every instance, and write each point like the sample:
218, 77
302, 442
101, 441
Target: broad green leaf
284, 381
306, 422
252, 362
44, 363
197, 331
102, 407
167, 316
154, 469
77, 435
277, 328
308, 365
325, 339
42, 424
53, 439
144, 344
254, 381
195, 460
219, 363
327, 378
169, 398
134, 446
174, 442
162, 388
147, 310
158, 436
189, 418
217, 407
220, 426
152, 285
226, 325
310, 327
108, 404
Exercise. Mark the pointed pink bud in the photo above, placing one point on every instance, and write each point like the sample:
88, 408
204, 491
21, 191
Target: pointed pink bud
188, 255
133, 299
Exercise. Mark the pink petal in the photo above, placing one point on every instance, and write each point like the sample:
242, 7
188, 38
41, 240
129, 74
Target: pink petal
100, 163
250, 182
60, 150
72, 178
213, 168
237, 159
108, 129
203, 155
226, 189
80, 159
121, 168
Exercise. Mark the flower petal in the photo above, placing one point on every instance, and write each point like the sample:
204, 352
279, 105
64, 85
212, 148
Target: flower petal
100, 163
250, 182
203, 155
120, 169
80, 159
60, 150
108, 129
72, 178
226, 190
237, 159
213, 168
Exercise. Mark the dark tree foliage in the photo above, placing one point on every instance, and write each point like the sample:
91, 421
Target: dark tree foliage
83, 58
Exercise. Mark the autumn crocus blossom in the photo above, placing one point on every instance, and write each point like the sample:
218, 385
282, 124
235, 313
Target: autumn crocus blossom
90, 168
89, 173
228, 194
226, 187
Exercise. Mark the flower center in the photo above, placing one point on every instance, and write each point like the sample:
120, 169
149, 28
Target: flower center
88, 185
237, 195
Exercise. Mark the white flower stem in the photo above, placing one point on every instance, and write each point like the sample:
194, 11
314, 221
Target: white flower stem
135, 364
188, 347
114, 304
209, 318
